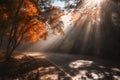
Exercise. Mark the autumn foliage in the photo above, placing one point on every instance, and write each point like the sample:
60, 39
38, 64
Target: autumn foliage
27, 25
35, 28
19, 22
24, 21
37, 31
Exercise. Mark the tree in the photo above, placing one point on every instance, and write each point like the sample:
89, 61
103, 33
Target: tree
21, 21
18, 18
24, 20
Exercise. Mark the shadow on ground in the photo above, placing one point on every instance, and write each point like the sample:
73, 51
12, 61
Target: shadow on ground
89, 70
29, 68
57, 67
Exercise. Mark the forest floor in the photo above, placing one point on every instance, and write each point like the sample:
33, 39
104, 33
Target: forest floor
49, 66
30, 66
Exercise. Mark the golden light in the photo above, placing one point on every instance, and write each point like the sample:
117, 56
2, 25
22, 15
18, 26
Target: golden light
80, 63
66, 19
35, 55
97, 1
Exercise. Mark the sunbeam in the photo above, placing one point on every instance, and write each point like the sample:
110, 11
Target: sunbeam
81, 24
90, 10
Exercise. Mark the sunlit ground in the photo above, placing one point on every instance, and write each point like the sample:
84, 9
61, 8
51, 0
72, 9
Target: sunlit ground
97, 72
36, 55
